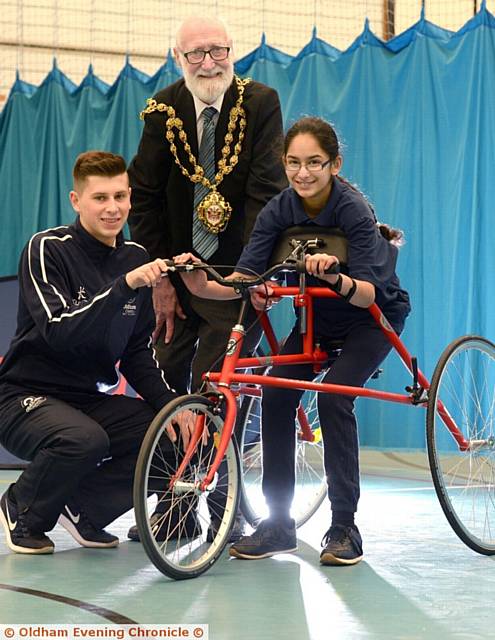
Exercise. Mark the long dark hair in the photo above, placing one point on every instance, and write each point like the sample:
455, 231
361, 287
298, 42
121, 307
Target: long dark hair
326, 137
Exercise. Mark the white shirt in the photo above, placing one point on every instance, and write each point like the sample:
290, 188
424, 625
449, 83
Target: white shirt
200, 106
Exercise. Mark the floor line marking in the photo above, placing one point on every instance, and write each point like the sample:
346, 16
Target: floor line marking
117, 618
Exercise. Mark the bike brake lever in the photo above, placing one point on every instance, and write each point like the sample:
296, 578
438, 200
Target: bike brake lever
181, 268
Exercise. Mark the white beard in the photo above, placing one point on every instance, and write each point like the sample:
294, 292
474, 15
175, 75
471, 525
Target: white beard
209, 89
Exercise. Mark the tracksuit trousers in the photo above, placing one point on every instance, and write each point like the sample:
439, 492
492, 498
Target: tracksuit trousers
81, 447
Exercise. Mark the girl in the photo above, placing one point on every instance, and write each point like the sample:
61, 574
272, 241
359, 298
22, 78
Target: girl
318, 196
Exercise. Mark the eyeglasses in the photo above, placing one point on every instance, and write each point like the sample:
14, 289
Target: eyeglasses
198, 55
313, 166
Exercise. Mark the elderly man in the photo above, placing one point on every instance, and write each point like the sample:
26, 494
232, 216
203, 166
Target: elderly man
204, 169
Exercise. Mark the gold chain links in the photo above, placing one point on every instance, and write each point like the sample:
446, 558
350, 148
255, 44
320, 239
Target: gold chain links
225, 164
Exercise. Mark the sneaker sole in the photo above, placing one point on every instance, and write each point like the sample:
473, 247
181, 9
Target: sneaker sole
26, 550
90, 544
246, 556
331, 560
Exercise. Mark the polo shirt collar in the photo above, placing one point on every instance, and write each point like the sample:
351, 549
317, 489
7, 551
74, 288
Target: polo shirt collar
323, 219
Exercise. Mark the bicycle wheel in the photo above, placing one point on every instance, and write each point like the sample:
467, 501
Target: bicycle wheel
193, 526
464, 381
311, 484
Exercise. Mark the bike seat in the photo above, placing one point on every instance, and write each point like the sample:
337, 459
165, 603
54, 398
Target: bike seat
333, 242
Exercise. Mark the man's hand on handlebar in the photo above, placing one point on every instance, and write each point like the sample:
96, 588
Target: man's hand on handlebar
319, 263
146, 275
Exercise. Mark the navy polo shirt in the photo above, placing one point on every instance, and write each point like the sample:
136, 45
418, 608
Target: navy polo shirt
370, 256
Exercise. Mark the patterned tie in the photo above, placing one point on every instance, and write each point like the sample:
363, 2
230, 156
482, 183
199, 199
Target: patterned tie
204, 242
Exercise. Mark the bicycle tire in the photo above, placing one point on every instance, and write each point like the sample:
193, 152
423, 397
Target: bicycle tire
464, 381
177, 548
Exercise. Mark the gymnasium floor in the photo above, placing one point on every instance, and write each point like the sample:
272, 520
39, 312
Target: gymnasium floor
417, 580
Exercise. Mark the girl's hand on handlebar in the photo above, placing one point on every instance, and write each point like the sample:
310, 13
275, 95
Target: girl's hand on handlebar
194, 280
262, 297
317, 264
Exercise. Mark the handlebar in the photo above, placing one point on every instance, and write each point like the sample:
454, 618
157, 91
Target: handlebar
297, 266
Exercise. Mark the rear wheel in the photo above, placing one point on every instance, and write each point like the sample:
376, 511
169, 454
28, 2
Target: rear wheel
189, 533
464, 381
311, 485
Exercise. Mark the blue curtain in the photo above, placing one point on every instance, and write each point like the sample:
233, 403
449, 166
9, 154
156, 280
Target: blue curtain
415, 118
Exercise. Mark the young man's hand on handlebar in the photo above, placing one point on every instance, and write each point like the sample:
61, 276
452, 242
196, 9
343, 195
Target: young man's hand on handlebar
146, 275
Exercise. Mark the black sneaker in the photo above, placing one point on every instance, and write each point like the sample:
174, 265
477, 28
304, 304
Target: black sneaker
83, 531
342, 545
270, 537
236, 533
17, 536
169, 525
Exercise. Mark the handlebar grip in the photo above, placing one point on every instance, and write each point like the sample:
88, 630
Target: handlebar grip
334, 269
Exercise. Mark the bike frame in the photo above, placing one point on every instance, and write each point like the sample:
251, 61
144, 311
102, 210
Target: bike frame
232, 374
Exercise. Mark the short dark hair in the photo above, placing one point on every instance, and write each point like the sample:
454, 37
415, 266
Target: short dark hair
97, 163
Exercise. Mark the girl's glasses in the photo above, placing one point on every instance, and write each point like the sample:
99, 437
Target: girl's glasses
313, 166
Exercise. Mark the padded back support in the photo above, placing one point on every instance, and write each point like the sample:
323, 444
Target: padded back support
334, 242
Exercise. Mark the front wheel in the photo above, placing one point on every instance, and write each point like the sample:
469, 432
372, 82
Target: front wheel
464, 382
185, 529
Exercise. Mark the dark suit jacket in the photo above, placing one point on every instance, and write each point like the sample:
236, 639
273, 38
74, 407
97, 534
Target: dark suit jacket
162, 198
